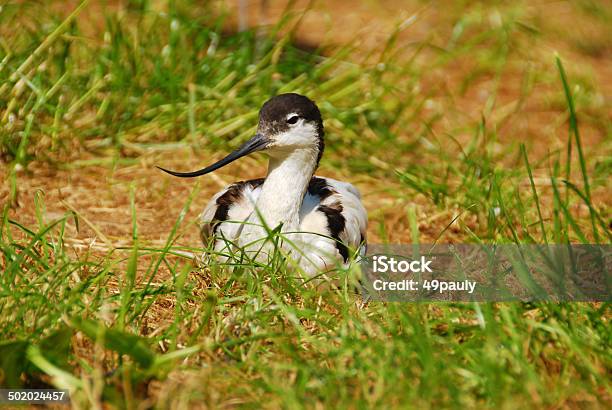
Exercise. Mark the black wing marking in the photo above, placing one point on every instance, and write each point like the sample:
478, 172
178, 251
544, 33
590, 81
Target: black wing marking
336, 223
231, 195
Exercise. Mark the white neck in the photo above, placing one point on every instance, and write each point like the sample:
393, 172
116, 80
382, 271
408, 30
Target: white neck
283, 191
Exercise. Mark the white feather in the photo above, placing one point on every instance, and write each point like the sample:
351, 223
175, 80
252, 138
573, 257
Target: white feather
319, 251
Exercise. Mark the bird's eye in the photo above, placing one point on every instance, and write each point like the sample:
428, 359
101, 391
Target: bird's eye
293, 119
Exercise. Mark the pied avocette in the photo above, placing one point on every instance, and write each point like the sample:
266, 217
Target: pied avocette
323, 219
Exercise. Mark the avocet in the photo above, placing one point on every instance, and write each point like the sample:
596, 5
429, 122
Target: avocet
323, 219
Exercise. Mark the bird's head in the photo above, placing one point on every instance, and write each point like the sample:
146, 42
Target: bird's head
287, 122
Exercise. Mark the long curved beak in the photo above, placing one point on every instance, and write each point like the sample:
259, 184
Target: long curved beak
257, 143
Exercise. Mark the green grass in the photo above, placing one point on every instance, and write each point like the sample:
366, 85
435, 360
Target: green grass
143, 322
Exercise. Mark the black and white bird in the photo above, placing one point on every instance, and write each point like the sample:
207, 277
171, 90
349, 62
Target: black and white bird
323, 218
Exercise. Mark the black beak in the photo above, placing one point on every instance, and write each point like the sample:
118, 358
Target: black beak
257, 143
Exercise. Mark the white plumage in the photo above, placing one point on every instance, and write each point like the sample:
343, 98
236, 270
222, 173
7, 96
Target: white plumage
323, 250
321, 219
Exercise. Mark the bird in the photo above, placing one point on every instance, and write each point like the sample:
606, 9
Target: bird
324, 219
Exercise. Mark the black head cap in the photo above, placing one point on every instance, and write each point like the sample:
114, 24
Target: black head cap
274, 112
